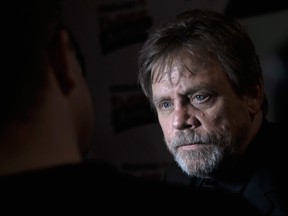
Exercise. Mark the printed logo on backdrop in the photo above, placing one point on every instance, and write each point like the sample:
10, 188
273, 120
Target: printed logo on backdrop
130, 107
122, 24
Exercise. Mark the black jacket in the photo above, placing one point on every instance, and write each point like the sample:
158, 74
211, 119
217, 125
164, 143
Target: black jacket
260, 176
96, 188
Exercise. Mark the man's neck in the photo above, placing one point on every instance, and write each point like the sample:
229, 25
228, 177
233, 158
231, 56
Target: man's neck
35, 145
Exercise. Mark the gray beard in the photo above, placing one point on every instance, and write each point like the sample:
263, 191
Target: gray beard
204, 160
201, 162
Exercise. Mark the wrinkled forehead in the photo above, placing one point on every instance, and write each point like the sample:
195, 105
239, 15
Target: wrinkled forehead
173, 65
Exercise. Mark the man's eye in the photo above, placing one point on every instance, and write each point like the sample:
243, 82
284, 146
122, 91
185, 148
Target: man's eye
200, 98
165, 105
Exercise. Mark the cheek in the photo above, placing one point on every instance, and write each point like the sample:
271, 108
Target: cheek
166, 127
212, 117
215, 118
226, 116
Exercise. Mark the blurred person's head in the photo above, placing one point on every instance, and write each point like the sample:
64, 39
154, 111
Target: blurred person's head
43, 88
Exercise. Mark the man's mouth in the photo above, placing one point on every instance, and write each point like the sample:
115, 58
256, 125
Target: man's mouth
190, 146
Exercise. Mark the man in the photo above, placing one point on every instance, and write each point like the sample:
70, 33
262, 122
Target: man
202, 75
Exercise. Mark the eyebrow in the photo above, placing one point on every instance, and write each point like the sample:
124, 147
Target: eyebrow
157, 100
189, 91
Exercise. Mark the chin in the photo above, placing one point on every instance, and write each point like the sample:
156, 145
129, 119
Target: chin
200, 163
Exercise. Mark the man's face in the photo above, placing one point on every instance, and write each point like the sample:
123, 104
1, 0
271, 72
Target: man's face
201, 117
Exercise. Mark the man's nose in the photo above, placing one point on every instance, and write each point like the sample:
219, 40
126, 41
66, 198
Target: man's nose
184, 118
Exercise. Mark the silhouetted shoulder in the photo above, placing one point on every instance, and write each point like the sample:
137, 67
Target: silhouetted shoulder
97, 186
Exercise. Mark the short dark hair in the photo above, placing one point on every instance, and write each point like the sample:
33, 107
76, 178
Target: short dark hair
209, 37
32, 27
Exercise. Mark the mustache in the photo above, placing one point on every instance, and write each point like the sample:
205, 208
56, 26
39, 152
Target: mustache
188, 137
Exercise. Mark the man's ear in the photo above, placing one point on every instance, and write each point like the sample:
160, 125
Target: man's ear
60, 56
254, 100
